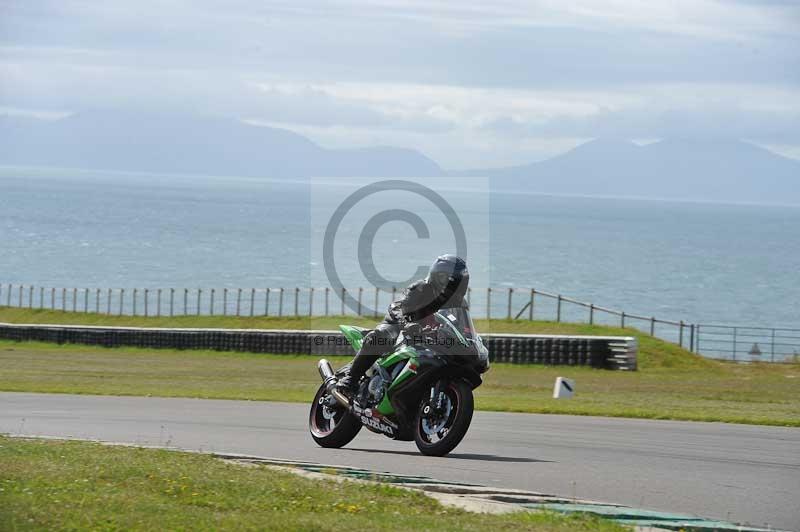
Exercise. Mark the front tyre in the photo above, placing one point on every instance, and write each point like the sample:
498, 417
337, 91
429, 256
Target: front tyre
330, 424
438, 428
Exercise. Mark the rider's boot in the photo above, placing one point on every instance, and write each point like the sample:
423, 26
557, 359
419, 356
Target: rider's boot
370, 352
348, 384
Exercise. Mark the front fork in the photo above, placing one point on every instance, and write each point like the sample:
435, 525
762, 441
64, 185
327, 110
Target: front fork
436, 401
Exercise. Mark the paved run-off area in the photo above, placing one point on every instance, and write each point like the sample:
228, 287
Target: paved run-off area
735, 472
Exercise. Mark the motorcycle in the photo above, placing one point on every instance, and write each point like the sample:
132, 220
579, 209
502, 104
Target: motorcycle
420, 390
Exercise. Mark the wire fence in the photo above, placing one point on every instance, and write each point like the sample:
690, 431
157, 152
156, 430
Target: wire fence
734, 343
749, 344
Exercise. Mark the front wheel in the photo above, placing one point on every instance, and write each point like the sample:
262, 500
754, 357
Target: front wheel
440, 425
330, 424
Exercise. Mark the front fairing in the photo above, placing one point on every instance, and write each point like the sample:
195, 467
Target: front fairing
456, 324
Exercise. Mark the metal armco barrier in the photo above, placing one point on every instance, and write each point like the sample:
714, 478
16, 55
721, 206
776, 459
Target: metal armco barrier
607, 352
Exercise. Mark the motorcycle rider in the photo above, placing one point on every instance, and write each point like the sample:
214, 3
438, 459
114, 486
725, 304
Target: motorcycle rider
445, 286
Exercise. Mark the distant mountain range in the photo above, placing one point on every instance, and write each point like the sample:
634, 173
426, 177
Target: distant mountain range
676, 169
193, 145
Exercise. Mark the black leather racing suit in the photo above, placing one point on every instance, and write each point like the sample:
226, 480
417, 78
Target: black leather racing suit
420, 300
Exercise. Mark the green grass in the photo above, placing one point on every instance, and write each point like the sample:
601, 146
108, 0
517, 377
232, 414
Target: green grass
69, 485
698, 390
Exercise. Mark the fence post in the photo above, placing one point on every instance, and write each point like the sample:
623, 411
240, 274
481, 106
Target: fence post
224, 301
121, 299
8, 294
510, 295
238, 301
135, 290
344, 293
558, 309
394, 291
19, 303
591, 313
185, 301
734, 344
489, 303
680, 334
311, 301
252, 301
530, 309
63, 299
266, 303
171, 302
622, 319
280, 302
52, 299
772, 347
1, 291
211, 307
697, 340
108, 302
327, 292
199, 294
296, 300
652, 326
97, 301
85, 300
377, 293
158, 303
30, 297
41, 297
691, 338
360, 292
146, 294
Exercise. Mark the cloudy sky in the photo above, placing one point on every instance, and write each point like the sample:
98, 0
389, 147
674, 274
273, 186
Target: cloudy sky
470, 84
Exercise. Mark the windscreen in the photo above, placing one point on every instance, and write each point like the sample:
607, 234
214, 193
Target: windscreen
459, 317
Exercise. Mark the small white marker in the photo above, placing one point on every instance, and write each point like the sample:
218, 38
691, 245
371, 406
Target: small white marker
564, 388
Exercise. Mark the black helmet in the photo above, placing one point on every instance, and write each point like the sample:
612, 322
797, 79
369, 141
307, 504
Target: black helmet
449, 276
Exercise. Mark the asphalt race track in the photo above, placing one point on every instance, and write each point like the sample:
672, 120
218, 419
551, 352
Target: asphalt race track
735, 472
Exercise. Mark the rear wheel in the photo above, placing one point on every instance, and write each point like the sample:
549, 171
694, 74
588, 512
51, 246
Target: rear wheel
330, 424
441, 425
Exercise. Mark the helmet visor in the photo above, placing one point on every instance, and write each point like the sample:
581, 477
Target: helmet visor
440, 280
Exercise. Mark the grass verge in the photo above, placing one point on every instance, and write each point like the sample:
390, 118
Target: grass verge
653, 351
69, 485
757, 393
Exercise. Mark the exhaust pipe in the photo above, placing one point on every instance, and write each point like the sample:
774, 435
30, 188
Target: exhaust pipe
329, 380
325, 370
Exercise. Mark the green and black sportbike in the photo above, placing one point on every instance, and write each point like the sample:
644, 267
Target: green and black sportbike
420, 390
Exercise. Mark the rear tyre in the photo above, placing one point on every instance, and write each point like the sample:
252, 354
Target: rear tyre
438, 433
331, 426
